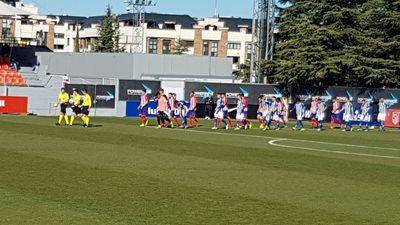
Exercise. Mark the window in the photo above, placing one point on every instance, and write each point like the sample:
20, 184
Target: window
68, 41
235, 59
214, 48
153, 45
59, 35
249, 50
189, 44
235, 46
166, 47
206, 48
169, 26
58, 47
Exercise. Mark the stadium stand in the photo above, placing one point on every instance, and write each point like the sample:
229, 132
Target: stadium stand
9, 75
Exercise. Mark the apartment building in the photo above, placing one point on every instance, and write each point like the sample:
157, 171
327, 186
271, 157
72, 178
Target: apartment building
214, 37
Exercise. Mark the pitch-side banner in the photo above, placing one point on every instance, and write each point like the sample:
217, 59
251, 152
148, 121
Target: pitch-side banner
204, 90
103, 96
130, 90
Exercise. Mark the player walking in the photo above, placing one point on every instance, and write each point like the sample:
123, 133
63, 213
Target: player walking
300, 111
348, 112
172, 102
63, 101
313, 112
219, 114
336, 110
143, 107
321, 107
183, 113
240, 121
382, 114
193, 121
162, 117
365, 115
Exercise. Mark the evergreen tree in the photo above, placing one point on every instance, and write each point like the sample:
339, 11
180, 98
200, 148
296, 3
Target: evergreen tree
338, 42
76, 44
108, 40
180, 47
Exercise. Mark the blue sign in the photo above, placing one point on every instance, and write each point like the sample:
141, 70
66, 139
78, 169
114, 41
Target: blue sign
132, 109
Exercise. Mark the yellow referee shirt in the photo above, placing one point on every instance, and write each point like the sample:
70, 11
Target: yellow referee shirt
63, 97
87, 100
77, 98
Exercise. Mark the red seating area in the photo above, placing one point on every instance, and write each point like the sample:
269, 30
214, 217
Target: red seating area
8, 75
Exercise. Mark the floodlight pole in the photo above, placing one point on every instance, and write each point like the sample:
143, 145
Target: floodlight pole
138, 9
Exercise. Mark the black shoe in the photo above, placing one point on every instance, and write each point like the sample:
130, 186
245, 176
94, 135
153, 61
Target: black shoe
84, 125
57, 124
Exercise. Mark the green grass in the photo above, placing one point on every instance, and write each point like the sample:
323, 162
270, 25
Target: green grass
122, 174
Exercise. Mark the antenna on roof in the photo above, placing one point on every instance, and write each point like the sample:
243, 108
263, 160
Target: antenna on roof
216, 8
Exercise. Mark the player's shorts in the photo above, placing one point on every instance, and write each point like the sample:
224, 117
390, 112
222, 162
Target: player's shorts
63, 108
313, 115
366, 118
144, 111
276, 117
85, 110
320, 116
191, 113
299, 117
76, 109
382, 117
240, 116
347, 117
172, 113
260, 114
219, 114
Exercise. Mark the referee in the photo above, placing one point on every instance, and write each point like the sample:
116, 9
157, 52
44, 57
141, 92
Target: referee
86, 105
76, 105
63, 101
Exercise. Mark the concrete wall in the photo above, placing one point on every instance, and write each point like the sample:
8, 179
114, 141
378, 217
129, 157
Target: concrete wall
133, 66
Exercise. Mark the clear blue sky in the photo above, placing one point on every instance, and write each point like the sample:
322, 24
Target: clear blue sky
196, 8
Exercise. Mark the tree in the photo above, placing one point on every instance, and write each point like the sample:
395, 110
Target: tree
76, 44
108, 40
338, 42
180, 47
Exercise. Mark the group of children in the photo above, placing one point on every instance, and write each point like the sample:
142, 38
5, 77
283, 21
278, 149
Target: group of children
272, 113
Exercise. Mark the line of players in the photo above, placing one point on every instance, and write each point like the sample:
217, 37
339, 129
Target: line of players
272, 113
342, 114
80, 103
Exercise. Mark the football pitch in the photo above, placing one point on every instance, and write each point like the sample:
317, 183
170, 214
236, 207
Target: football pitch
118, 173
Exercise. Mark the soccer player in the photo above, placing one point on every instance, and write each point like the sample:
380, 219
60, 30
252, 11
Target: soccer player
260, 110
300, 111
321, 107
162, 117
76, 106
336, 110
86, 105
382, 114
63, 101
226, 111
144, 107
365, 115
247, 122
267, 114
281, 111
348, 112
239, 113
183, 113
172, 103
192, 110
274, 113
313, 112
219, 114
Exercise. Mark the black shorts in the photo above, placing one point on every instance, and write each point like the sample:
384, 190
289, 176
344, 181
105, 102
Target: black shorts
63, 108
76, 109
85, 110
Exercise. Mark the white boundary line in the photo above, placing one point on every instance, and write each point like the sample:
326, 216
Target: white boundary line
273, 143
292, 139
